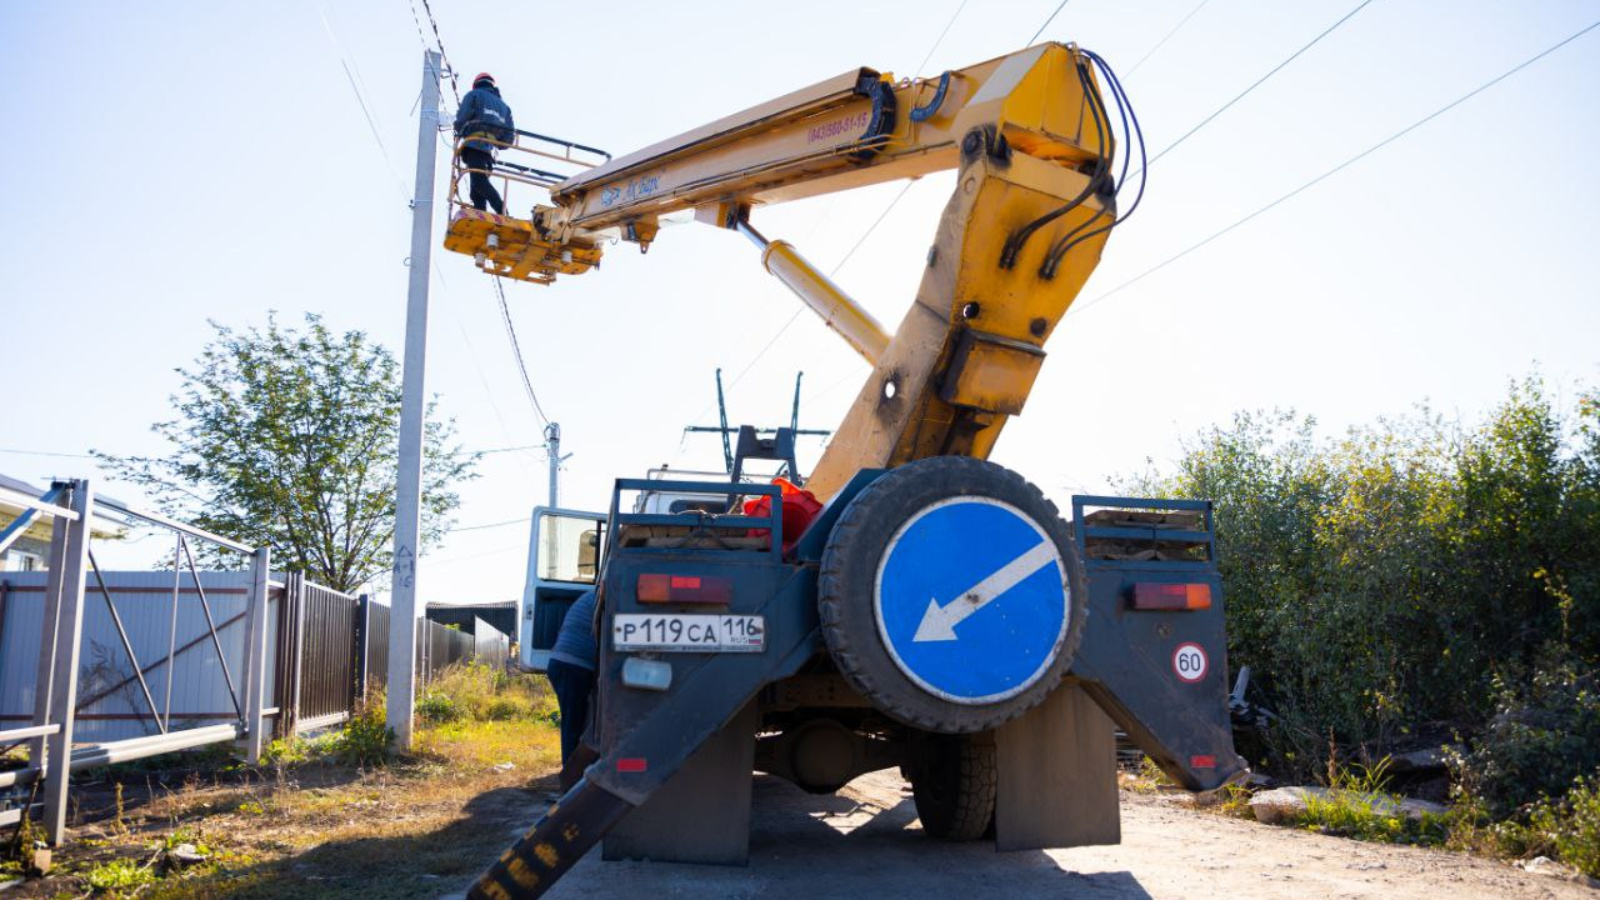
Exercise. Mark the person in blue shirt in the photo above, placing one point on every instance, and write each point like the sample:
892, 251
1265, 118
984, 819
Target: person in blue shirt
572, 671
483, 115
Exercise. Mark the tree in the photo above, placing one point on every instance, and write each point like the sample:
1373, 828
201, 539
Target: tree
290, 438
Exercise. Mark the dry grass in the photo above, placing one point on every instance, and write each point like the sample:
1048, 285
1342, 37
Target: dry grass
420, 826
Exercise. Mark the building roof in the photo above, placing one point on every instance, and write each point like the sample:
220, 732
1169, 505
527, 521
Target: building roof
493, 604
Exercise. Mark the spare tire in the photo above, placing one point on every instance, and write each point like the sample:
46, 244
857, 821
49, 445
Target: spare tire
951, 595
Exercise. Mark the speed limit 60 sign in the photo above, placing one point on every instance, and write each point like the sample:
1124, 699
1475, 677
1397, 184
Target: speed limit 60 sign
1189, 662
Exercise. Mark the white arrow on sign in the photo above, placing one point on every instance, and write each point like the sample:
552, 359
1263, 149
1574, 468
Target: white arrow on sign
939, 622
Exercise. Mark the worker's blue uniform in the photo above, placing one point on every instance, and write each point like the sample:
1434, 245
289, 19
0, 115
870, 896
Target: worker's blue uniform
572, 670
482, 112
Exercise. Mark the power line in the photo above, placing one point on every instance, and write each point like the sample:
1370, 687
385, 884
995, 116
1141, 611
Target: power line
499, 289
46, 453
1161, 43
772, 341
422, 38
521, 521
516, 352
1047, 21
1344, 165
795, 317
516, 449
361, 100
922, 65
1257, 83
455, 86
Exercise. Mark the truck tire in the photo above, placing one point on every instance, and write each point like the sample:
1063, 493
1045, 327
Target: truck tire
877, 521
954, 787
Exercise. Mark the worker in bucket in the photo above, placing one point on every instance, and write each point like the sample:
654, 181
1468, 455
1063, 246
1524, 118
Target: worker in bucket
572, 671
483, 119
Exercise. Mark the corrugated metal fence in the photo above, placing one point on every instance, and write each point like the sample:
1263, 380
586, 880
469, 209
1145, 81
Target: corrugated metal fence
329, 649
159, 613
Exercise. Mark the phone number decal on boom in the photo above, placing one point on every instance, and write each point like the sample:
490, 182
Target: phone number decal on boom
689, 633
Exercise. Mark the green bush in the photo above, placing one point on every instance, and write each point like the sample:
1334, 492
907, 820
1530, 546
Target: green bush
366, 738
1545, 732
437, 708
1405, 576
503, 709
1573, 825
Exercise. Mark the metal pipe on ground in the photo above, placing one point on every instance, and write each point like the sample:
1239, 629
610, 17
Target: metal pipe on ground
131, 749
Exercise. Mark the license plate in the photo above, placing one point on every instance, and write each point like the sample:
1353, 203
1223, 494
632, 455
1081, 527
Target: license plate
688, 633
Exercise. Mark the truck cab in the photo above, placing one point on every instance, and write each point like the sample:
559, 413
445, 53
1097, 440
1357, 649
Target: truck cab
564, 552
565, 547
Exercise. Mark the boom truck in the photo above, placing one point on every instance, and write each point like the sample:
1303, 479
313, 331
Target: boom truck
938, 613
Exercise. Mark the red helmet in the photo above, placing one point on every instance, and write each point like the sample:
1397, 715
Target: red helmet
481, 78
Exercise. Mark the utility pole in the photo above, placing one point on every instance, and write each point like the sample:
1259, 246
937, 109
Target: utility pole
402, 684
552, 446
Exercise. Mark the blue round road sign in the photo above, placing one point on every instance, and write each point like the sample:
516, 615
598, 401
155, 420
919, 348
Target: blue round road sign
972, 600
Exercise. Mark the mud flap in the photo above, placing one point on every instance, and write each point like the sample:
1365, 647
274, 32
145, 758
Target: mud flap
702, 813
1058, 776
558, 840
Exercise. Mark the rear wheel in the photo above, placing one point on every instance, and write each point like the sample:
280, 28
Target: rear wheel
954, 786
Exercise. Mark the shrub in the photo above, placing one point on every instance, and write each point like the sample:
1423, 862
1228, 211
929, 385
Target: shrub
503, 709
1573, 825
1544, 734
288, 751
437, 708
1406, 576
365, 739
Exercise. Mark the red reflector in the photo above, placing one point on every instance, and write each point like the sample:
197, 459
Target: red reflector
632, 764
655, 589
1169, 597
1195, 762
707, 589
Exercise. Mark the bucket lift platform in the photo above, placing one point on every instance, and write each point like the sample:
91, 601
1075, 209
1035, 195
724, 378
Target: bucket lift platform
511, 247
507, 246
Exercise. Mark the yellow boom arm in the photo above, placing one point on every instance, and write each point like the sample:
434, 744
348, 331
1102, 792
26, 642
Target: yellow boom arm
1032, 139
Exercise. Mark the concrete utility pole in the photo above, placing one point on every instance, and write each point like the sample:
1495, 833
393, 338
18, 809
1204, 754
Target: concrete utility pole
402, 684
552, 446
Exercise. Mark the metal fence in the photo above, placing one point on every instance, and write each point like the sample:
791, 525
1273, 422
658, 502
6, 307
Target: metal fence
164, 622
317, 657
55, 748
490, 646
100, 667
440, 647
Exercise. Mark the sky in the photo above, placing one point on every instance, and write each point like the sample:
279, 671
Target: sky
175, 163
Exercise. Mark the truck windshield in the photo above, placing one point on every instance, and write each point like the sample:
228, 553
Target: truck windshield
570, 548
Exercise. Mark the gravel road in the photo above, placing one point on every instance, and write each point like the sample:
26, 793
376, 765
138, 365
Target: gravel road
865, 843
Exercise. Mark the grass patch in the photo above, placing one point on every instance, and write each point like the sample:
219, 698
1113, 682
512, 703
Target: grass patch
119, 877
1372, 816
324, 819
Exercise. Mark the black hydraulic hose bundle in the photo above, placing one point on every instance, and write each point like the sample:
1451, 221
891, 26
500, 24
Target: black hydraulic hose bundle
1014, 243
1125, 107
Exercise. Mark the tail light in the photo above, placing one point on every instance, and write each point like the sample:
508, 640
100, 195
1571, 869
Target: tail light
1171, 597
705, 589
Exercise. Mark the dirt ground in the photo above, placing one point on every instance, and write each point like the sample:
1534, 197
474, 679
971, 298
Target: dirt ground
865, 842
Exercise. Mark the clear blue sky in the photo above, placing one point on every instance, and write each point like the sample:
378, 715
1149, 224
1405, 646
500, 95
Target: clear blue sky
173, 162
